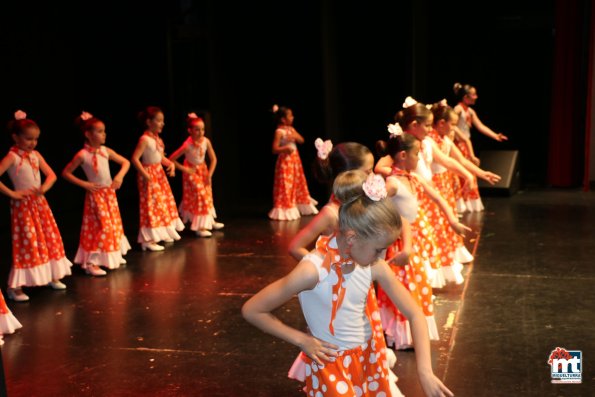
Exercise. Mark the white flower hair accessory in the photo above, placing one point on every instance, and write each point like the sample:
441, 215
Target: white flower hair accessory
20, 115
443, 102
409, 101
86, 116
395, 130
428, 106
275, 108
323, 148
375, 187
192, 115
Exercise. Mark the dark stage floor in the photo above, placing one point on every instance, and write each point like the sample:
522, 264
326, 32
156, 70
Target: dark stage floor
169, 323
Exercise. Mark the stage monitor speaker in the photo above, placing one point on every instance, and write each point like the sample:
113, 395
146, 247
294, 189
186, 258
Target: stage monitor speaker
504, 163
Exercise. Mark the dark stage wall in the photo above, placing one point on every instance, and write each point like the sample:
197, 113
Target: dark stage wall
344, 67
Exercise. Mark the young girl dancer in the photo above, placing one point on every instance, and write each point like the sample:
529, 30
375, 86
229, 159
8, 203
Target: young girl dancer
291, 197
333, 284
37, 249
407, 190
466, 96
102, 239
197, 198
159, 220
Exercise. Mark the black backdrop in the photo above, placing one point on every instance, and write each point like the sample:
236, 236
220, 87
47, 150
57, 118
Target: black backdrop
344, 67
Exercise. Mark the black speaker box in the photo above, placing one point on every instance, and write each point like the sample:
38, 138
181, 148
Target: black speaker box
504, 163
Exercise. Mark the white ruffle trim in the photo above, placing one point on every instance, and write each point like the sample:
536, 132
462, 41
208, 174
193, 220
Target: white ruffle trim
199, 222
308, 209
110, 260
453, 273
435, 277
298, 371
398, 333
474, 205
161, 233
9, 323
284, 214
39, 275
461, 207
463, 255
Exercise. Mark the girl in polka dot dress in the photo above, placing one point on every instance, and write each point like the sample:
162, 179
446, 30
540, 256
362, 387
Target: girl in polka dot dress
197, 198
466, 95
407, 191
333, 285
102, 238
37, 248
159, 219
291, 197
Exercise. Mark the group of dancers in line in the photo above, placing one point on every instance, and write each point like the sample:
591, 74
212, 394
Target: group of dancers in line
387, 237
37, 248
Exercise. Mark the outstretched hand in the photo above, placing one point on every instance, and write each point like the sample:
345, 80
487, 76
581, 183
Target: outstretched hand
433, 387
501, 137
319, 350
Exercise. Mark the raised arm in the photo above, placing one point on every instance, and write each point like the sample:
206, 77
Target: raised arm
258, 311
451, 164
384, 166
402, 299
484, 129
456, 154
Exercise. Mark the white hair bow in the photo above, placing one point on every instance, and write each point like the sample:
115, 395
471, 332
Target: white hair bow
409, 101
375, 187
192, 115
395, 130
275, 108
86, 116
443, 102
323, 148
20, 115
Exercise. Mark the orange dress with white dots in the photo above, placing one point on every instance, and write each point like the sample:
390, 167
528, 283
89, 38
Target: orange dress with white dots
159, 219
291, 197
197, 197
413, 275
339, 310
8, 322
37, 248
102, 238
470, 197
447, 238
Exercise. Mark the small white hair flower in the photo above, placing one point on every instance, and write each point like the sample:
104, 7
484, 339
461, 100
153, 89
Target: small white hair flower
409, 101
86, 116
375, 187
323, 148
275, 108
20, 115
443, 102
395, 130
192, 115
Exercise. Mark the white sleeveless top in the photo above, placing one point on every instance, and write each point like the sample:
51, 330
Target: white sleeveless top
195, 154
152, 154
405, 201
21, 174
284, 140
462, 124
351, 324
426, 158
102, 176
446, 148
